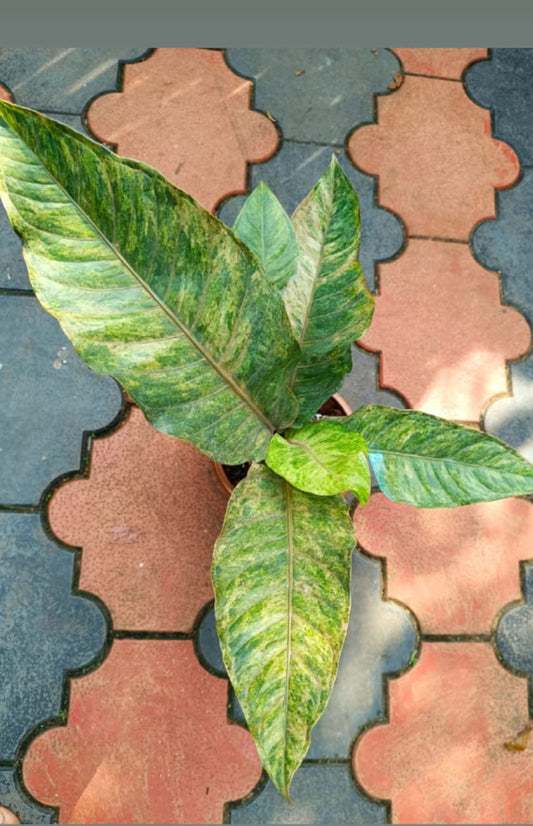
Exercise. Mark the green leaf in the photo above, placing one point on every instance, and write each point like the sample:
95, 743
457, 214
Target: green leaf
328, 301
266, 229
431, 463
149, 287
322, 458
281, 575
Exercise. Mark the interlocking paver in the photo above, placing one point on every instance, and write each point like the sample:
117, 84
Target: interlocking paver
311, 92
453, 567
46, 629
293, 172
147, 517
444, 63
442, 757
14, 799
319, 794
443, 334
503, 83
146, 741
440, 176
184, 112
49, 398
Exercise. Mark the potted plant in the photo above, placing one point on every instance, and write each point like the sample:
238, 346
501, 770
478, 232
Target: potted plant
233, 339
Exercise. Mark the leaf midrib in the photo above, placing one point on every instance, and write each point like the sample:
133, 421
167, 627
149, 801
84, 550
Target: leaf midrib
191, 338
290, 587
446, 460
314, 457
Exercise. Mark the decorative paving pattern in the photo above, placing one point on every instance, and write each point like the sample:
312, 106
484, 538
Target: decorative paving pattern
442, 758
144, 757
202, 109
46, 630
154, 733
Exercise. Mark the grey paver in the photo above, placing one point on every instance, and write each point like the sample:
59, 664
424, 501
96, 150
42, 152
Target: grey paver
514, 634
319, 794
503, 83
316, 95
61, 80
13, 798
49, 397
506, 244
45, 628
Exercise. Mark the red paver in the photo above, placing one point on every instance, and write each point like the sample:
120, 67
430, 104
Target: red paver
449, 63
147, 519
146, 742
443, 758
455, 568
5, 94
442, 331
184, 112
437, 162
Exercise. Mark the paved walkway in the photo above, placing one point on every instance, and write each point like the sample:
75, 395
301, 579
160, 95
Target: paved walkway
114, 704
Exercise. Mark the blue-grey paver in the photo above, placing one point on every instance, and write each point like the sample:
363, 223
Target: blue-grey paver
503, 83
46, 629
49, 398
506, 244
319, 793
14, 798
514, 633
361, 384
62, 80
316, 95
13, 271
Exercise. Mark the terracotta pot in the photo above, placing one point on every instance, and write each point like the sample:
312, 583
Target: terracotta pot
7, 816
334, 406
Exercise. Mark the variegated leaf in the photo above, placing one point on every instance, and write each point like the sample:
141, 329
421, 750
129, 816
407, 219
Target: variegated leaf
322, 458
266, 229
150, 288
281, 575
432, 463
328, 300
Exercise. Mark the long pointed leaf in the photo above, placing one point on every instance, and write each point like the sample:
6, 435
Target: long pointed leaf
431, 463
328, 300
149, 287
266, 229
281, 574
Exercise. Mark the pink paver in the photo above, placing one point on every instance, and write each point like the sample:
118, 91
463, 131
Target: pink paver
147, 519
146, 741
5, 94
455, 568
442, 331
186, 113
437, 162
448, 63
442, 758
